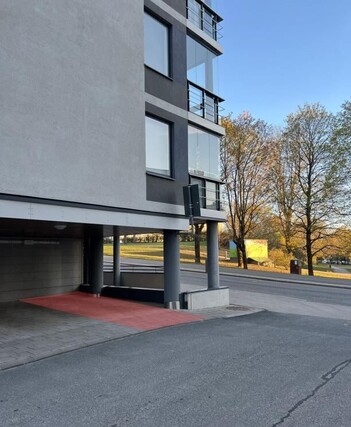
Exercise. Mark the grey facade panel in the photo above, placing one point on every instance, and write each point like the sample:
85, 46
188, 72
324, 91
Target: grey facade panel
174, 89
178, 5
39, 269
72, 101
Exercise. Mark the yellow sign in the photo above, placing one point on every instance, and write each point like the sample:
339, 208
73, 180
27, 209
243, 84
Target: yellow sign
256, 249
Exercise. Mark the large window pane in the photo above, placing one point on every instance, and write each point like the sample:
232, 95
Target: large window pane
209, 24
200, 183
196, 100
202, 66
156, 45
203, 153
157, 146
211, 195
194, 12
211, 3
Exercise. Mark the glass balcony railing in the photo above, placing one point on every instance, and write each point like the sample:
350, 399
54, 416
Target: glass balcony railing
201, 15
204, 103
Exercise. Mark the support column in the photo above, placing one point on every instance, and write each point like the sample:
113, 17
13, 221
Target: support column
171, 269
116, 258
86, 260
96, 263
212, 255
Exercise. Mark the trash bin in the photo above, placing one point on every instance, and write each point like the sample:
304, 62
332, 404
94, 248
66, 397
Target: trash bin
295, 266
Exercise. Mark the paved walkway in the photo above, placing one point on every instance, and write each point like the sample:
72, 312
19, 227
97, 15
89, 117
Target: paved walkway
143, 317
37, 328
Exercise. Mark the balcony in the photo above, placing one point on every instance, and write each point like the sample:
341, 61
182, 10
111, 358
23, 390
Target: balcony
209, 193
201, 15
203, 103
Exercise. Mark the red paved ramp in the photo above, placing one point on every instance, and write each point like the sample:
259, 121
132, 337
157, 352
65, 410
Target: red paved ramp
122, 312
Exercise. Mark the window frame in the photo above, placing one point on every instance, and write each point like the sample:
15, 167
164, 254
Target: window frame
168, 26
203, 191
204, 174
170, 146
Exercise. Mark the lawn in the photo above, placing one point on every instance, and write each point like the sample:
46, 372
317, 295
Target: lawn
154, 251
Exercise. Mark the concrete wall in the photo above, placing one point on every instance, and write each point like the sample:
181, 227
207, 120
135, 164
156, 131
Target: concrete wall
28, 270
137, 279
72, 101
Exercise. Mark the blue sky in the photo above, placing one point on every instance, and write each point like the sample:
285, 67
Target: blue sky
282, 53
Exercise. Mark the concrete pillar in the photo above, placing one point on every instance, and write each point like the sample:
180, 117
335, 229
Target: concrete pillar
96, 263
86, 260
212, 255
171, 269
116, 258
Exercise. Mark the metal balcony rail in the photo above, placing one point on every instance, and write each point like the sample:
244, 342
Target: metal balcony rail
209, 199
203, 103
204, 18
134, 268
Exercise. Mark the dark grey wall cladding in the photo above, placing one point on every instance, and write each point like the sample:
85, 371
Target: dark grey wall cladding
178, 5
164, 190
39, 269
174, 89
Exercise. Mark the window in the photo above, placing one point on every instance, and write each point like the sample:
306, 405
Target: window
203, 153
195, 13
200, 183
157, 138
209, 193
203, 103
196, 101
212, 197
202, 66
156, 47
211, 3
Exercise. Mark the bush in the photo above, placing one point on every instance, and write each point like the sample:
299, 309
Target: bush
280, 258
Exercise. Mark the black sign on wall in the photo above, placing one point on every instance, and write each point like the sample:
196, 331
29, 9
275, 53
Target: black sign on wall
192, 200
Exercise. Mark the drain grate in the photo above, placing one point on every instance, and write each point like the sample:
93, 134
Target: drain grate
237, 308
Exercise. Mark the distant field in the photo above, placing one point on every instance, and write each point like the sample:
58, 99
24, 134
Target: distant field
154, 251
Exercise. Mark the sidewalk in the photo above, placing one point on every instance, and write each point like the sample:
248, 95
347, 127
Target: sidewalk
37, 328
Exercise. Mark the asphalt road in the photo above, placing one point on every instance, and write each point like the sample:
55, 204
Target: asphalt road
272, 291
280, 297
265, 369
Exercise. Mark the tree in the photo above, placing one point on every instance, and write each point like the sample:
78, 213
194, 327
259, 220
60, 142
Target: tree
284, 185
245, 154
319, 161
343, 129
266, 227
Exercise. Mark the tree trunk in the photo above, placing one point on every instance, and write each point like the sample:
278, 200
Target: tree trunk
245, 264
240, 258
309, 253
197, 242
288, 245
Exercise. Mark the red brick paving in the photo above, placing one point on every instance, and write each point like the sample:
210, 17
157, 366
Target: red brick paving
127, 313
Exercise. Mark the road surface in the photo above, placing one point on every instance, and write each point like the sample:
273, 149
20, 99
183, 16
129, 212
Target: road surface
266, 369
280, 293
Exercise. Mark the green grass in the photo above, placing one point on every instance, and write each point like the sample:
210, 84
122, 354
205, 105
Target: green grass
320, 267
154, 251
